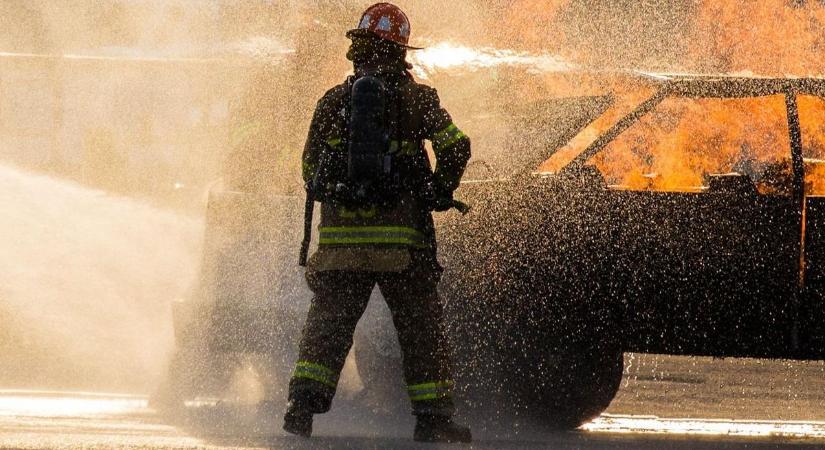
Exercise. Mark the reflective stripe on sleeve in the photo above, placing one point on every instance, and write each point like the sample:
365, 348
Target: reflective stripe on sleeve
371, 235
308, 170
315, 372
335, 143
447, 137
431, 391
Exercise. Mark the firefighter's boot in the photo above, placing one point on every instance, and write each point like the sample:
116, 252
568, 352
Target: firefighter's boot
430, 428
298, 420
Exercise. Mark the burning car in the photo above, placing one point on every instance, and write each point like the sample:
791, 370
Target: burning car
684, 223
684, 220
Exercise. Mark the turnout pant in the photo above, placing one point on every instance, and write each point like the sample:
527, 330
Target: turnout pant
340, 299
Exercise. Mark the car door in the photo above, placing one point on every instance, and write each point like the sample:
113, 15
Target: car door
707, 241
812, 309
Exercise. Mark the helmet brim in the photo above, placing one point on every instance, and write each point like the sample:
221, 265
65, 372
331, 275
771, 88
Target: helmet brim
361, 32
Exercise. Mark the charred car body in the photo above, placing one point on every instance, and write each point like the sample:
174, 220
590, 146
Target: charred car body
553, 276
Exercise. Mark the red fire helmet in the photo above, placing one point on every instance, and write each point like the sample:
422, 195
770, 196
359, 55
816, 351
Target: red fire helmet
386, 21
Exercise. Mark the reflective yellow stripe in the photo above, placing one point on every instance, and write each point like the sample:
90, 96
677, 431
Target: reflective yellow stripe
308, 170
431, 385
315, 372
447, 137
446, 132
452, 141
373, 241
370, 229
389, 235
430, 391
363, 213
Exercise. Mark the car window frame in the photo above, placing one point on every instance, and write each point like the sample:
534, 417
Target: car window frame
701, 87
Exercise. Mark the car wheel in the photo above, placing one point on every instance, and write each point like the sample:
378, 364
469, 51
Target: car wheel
566, 388
378, 359
192, 372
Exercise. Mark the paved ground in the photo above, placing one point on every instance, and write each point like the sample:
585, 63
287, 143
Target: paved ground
665, 402
51, 421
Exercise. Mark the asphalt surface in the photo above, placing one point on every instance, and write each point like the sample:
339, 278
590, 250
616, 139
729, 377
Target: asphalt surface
31, 420
664, 402
139, 429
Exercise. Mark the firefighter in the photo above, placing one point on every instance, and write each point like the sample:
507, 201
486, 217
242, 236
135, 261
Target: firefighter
366, 163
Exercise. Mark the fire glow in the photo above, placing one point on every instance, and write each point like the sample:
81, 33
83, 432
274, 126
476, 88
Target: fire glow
679, 143
683, 139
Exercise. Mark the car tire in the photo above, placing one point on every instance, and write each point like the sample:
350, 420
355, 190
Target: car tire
378, 361
564, 389
192, 373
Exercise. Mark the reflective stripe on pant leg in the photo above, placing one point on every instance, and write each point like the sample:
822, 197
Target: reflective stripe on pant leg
339, 301
316, 372
418, 315
431, 391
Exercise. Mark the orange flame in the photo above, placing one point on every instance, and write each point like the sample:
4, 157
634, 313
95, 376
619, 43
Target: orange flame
673, 148
682, 140
533, 23
768, 37
812, 122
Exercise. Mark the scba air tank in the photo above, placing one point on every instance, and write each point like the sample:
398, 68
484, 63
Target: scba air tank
369, 133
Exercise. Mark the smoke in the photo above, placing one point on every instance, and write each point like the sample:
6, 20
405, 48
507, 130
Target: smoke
214, 70
86, 280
